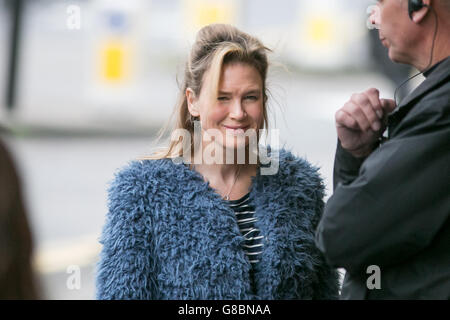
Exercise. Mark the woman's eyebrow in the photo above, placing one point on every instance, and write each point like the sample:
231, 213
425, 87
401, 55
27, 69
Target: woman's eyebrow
251, 91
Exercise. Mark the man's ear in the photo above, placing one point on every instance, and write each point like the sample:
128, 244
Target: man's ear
419, 15
191, 102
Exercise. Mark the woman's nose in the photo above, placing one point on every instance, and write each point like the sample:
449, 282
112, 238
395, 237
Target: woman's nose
237, 111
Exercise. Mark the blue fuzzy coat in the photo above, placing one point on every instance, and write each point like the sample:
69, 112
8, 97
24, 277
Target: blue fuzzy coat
168, 235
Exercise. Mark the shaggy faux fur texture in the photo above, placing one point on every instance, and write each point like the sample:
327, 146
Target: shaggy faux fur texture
168, 235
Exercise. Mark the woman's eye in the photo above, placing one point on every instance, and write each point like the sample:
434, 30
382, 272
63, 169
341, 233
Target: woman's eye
222, 98
254, 98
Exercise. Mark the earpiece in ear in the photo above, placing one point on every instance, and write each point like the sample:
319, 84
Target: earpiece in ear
415, 5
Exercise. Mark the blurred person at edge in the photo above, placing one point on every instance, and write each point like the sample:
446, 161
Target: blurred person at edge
216, 230
391, 201
17, 280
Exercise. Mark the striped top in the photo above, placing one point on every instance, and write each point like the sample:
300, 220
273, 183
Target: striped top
245, 215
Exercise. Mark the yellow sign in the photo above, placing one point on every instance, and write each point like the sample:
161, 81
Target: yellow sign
200, 13
320, 30
114, 62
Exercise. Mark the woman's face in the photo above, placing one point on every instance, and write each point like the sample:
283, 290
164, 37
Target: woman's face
238, 109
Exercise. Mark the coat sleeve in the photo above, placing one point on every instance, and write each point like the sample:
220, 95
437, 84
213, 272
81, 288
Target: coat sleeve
396, 204
126, 266
326, 286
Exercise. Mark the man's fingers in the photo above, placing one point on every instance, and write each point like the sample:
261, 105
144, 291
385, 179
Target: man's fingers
364, 111
355, 107
374, 97
343, 119
368, 103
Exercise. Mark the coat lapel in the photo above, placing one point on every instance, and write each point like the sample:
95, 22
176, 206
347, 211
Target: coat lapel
223, 234
283, 211
267, 277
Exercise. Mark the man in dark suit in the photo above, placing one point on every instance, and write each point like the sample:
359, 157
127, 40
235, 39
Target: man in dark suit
388, 221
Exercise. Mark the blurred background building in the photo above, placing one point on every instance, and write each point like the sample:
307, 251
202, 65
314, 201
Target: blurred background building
86, 84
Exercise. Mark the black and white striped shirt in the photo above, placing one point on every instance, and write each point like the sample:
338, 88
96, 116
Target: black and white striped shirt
245, 215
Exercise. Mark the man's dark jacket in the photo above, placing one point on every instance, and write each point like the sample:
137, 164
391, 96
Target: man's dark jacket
392, 209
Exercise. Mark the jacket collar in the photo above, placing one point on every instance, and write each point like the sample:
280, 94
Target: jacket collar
439, 74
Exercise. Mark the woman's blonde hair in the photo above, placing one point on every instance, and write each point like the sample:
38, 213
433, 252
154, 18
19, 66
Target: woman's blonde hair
215, 46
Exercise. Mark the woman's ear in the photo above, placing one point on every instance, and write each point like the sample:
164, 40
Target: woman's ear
191, 102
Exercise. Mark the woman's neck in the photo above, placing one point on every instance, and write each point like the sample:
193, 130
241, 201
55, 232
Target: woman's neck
224, 172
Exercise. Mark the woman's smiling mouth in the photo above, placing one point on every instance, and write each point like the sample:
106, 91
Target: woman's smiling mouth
235, 129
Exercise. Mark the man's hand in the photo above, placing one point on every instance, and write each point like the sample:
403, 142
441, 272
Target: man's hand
362, 121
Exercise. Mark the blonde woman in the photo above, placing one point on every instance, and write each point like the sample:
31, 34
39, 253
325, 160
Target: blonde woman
214, 226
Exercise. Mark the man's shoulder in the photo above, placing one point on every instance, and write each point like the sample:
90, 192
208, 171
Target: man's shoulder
435, 86
435, 90
440, 93
434, 102
7, 168
426, 110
